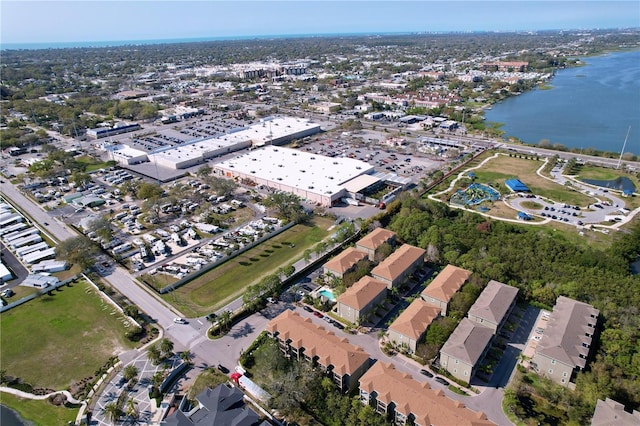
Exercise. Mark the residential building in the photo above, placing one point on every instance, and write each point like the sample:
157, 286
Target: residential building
565, 345
447, 283
411, 325
611, 413
396, 268
464, 350
408, 401
344, 262
361, 298
494, 305
300, 338
371, 242
223, 405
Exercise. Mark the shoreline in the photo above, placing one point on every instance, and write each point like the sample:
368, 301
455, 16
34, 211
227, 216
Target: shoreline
17, 415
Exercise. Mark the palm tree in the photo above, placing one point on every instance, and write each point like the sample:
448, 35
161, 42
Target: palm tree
154, 354
157, 378
186, 356
166, 347
132, 409
112, 412
225, 319
130, 372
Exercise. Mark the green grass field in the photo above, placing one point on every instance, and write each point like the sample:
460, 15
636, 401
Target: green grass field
219, 286
41, 413
54, 341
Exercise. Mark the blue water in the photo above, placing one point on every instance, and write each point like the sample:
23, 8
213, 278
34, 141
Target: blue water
588, 107
328, 294
10, 417
114, 43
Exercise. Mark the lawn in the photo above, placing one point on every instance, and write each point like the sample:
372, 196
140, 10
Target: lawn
40, 412
56, 340
497, 170
221, 285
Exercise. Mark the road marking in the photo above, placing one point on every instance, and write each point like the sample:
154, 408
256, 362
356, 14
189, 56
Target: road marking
200, 322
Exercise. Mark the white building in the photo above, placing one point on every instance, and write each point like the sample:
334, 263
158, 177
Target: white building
269, 131
313, 177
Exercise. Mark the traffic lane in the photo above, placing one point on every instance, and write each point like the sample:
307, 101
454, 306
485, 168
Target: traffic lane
58, 231
19, 271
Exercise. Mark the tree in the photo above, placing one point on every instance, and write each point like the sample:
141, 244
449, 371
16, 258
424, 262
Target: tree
132, 409
186, 357
78, 250
102, 227
130, 372
154, 354
286, 205
112, 412
225, 319
80, 179
204, 171
149, 191
222, 187
166, 347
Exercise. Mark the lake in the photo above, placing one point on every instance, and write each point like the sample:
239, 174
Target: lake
588, 107
10, 417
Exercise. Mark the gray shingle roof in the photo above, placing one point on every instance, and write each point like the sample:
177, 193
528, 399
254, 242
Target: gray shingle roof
494, 301
567, 331
468, 341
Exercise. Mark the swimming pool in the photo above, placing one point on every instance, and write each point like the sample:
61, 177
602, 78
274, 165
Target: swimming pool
328, 294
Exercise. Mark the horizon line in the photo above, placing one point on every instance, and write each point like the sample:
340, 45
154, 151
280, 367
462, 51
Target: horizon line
47, 45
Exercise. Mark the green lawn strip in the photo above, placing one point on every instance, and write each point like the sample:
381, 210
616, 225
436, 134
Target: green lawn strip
54, 341
39, 412
221, 285
209, 378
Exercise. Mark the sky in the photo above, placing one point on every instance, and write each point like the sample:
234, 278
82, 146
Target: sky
85, 20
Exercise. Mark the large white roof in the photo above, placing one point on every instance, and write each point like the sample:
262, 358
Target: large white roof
259, 134
299, 169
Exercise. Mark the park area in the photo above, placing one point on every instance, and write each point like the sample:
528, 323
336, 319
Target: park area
60, 339
39, 412
216, 288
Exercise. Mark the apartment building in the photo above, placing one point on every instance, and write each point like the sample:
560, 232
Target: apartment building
447, 283
344, 262
361, 298
612, 413
396, 268
412, 324
465, 349
371, 242
565, 346
300, 338
494, 305
408, 401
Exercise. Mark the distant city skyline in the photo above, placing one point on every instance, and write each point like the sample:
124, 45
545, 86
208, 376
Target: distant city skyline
87, 21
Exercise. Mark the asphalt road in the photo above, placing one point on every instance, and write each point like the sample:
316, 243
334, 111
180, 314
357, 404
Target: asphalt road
19, 271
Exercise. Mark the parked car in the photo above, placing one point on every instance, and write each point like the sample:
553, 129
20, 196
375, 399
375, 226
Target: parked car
306, 308
223, 369
211, 316
426, 373
272, 300
318, 314
442, 381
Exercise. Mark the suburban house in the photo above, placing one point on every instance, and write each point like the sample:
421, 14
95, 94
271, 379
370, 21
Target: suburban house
611, 413
411, 325
465, 349
361, 298
371, 242
301, 339
396, 268
494, 305
565, 345
447, 283
344, 262
223, 405
408, 401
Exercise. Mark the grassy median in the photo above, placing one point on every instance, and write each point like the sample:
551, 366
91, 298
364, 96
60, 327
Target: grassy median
221, 285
